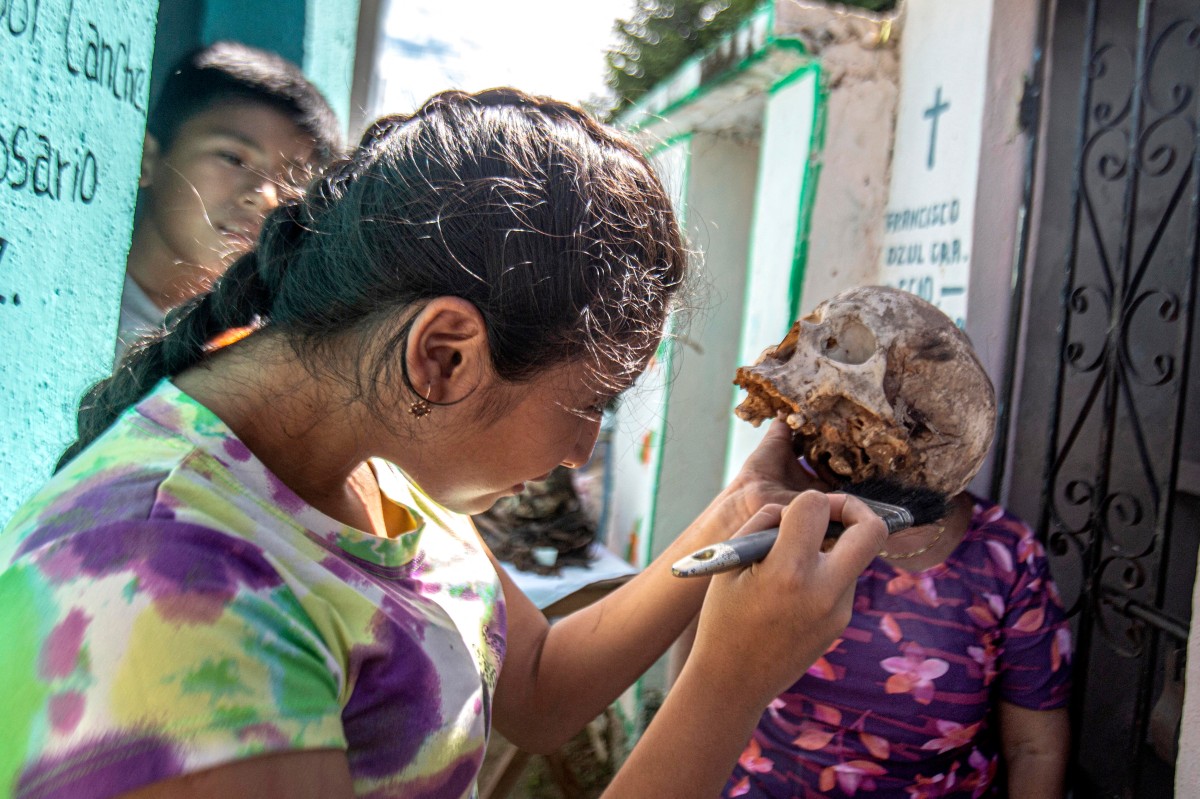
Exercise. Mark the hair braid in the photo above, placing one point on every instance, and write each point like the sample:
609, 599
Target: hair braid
552, 225
237, 299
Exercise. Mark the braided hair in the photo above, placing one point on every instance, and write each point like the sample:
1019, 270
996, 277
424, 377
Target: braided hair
553, 225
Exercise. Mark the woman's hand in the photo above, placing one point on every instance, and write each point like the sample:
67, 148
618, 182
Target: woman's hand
765, 625
772, 474
760, 629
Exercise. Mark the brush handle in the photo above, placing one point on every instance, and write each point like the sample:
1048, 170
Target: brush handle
744, 550
754, 547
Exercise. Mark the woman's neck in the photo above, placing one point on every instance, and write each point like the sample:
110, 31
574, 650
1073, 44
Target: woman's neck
921, 548
305, 430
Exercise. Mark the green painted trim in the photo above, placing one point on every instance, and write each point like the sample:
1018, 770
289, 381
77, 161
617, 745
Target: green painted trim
627, 723
808, 192
795, 75
750, 253
767, 8
667, 144
786, 80
634, 734
667, 344
807, 196
771, 44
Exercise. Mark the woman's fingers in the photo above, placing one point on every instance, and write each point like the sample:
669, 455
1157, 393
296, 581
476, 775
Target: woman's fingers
763, 626
774, 454
804, 523
864, 537
802, 527
779, 432
766, 517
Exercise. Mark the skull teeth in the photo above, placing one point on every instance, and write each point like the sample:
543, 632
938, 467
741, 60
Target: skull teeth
878, 383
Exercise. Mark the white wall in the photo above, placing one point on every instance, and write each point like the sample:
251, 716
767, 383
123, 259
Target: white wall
783, 177
719, 205
640, 425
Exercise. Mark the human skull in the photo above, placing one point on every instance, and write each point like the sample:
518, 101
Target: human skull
878, 383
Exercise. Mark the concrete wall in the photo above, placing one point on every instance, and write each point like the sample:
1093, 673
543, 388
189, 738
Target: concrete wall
859, 77
775, 258
77, 78
1003, 165
640, 423
276, 25
330, 34
1187, 763
179, 25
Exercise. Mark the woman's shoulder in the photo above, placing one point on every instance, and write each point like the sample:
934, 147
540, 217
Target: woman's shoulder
117, 479
1002, 544
163, 464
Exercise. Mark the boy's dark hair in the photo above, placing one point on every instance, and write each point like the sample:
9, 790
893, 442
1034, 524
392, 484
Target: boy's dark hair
230, 71
555, 227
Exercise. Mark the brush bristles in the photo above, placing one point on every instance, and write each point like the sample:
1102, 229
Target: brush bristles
925, 504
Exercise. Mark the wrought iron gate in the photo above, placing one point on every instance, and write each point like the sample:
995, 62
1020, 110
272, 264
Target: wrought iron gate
1106, 410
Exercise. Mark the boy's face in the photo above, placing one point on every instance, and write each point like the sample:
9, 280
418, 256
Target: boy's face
207, 194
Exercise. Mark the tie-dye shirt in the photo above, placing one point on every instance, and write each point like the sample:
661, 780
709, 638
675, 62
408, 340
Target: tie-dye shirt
169, 605
902, 706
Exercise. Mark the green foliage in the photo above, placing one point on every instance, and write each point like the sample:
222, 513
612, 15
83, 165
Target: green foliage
660, 35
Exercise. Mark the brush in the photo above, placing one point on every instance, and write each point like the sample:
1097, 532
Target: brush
900, 507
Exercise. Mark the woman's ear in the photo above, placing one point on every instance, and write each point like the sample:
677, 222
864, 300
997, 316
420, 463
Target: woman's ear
151, 152
447, 352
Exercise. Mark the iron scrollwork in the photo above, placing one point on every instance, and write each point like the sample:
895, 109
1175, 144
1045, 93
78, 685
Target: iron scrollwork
1124, 328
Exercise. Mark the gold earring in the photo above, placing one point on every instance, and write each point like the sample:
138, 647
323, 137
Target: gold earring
421, 407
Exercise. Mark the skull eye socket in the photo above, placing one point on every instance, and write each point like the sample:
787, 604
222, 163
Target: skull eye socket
854, 344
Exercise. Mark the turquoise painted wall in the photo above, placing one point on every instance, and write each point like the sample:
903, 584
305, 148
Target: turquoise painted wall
319, 35
76, 77
330, 37
276, 25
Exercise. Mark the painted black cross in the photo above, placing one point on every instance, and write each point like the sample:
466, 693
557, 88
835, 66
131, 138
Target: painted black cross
932, 113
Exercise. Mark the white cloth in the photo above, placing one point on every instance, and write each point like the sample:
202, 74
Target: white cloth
544, 590
139, 315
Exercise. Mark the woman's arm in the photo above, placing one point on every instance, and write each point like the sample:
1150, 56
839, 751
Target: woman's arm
1035, 745
556, 679
780, 622
759, 630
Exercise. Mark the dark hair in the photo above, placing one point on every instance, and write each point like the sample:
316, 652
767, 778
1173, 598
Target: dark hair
554, 226
231, 71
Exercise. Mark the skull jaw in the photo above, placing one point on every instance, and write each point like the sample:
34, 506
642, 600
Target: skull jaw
849, 457
862, 449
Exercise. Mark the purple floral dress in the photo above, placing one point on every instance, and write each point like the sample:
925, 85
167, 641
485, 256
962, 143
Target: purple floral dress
902, 705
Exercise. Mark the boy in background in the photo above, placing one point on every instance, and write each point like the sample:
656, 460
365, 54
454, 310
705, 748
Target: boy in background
234, 131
